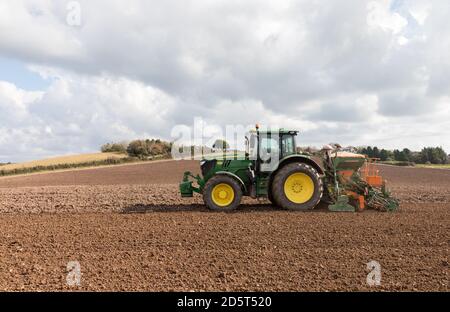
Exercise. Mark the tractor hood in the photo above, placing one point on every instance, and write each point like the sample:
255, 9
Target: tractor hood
224, 156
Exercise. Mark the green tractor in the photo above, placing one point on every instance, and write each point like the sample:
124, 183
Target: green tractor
272, 168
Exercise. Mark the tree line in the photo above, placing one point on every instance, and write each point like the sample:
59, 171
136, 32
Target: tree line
428, 155
151, 148
156, 148
142, 149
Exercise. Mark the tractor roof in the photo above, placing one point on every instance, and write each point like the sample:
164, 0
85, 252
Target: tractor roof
280, 131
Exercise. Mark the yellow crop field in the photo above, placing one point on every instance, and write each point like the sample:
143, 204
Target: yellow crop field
70, 160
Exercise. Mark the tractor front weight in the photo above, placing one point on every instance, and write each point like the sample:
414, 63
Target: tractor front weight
187, 188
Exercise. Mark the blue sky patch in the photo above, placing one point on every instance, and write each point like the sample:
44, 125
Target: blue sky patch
16, 72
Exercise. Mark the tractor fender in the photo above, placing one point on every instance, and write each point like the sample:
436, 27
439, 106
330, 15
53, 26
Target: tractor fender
244, 188
300, 158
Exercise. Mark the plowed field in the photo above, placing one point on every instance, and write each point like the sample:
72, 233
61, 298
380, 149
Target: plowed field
130, 230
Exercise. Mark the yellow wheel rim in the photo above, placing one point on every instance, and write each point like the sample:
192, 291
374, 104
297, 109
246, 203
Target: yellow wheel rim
222, 194
299, 188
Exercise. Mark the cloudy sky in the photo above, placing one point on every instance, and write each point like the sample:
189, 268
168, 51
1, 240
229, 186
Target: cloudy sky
76, 74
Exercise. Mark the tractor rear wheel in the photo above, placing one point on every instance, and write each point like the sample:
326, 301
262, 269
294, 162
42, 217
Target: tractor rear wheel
271, 199
297, 186
222, 193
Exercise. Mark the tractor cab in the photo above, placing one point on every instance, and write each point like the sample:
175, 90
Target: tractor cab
270, 145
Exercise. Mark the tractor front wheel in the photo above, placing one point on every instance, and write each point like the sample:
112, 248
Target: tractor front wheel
222, 193
297, 186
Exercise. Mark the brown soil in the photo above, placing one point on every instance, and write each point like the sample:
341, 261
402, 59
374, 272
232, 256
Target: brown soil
130, 230
163, 171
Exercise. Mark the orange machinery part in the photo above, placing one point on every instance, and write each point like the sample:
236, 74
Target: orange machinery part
370, 174
375, 181
346, 173
360, 198
362, 202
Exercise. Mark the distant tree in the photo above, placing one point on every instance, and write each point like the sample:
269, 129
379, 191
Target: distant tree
220, 144
138, 148
376, 152
384, 155
433, 155
148, 148
390, 155
369, 152
397, 155
407, 155
401, 156
416, 157
441, 155
114, 147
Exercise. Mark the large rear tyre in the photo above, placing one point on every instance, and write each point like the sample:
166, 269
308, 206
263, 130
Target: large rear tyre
222, 193
297, 186
271, 199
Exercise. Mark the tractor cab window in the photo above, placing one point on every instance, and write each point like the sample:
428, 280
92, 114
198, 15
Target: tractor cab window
287, 145
268, 145
269, 151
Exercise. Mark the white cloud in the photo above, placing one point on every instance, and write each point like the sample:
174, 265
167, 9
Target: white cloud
14, 103
352, 71
36, 24
79, 113
420, 10
381, 16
